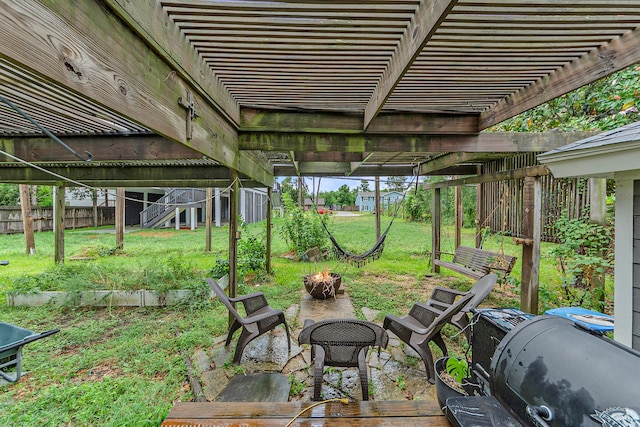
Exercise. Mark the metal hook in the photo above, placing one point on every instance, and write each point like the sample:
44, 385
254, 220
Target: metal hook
46, 131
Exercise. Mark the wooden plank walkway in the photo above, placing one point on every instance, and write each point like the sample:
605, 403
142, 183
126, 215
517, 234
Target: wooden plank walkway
361, 413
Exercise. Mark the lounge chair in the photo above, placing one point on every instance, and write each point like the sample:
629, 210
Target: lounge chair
260, 318
422, 325
442, 298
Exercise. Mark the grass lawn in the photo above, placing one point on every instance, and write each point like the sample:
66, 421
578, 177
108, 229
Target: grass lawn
125, 366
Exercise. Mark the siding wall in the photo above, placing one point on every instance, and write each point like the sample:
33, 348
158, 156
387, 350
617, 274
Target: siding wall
636, 265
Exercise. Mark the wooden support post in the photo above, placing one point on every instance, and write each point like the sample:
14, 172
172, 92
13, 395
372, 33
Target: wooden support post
242, 205
218, 207
435, 229
58, 223
300, 201
120, 200
27, 219
598, 215
94, 205
458, 215
233, 236
378, 205
532, 195
209, 217
479, 214
269, 229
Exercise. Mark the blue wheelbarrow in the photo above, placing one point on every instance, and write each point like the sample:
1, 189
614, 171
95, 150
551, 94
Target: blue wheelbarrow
12, 339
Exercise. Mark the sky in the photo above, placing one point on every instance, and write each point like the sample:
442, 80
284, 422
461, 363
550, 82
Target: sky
332, 184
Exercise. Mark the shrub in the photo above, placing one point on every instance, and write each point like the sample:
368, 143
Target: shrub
301, 231
583, 255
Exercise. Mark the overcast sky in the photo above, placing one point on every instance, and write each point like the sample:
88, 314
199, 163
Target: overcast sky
332, 184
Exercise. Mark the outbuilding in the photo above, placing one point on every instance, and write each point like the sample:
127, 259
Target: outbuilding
614, 155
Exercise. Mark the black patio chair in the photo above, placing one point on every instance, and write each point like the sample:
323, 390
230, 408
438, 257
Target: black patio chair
442, 298
422, 325
342, 343
260, 318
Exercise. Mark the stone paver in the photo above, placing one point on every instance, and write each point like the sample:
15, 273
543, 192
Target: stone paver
392, 375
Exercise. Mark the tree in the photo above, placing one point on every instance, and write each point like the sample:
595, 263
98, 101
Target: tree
9, 195
289, 186
345, 196
364, 185
330, 197
27, 220
605, 104
396, 183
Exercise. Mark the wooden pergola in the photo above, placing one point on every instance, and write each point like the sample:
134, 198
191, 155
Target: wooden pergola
258, 89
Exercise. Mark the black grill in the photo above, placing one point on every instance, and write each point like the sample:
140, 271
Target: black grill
489, 328
548, 371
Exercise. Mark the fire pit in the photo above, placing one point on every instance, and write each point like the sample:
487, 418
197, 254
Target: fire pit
322, 285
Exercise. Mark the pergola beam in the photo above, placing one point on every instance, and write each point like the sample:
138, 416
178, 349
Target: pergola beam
103, 147
621, 52
263, 120
96, 55
491, 177
499, 142
445, 161
424, 23
372, 170
149, 21
119, 175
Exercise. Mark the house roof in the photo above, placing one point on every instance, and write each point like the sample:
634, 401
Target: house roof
601, 155
308, 202
382, 193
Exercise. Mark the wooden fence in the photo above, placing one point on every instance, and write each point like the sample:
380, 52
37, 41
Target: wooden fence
74, 217
503, 204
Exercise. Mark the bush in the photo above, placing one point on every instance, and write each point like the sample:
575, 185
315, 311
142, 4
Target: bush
301, 231
252, 252
584, 254
252, 256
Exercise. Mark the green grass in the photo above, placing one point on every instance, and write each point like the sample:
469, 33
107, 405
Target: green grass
125, 366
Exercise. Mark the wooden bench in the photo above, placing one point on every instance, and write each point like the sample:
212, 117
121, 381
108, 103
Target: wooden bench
477, 263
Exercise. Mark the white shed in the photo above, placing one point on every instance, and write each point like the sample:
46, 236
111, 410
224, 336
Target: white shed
616, 155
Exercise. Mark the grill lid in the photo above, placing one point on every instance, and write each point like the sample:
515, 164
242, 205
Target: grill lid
584, 379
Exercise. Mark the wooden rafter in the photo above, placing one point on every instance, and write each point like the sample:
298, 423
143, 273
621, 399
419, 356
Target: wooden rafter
423, 25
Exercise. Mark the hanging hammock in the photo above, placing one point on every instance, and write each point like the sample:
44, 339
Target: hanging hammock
372, 254
359, 259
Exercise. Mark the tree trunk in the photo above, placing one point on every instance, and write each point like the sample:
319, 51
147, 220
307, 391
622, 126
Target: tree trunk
27, 220
94, 202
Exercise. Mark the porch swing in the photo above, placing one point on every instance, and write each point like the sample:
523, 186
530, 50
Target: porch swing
478, 262
370, 255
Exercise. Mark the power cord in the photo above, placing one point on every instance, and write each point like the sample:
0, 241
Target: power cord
343, 400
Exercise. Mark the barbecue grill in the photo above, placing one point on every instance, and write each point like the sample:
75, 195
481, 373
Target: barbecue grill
551, 371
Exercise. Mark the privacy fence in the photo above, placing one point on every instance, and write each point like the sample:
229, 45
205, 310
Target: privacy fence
74, 217
503, 204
